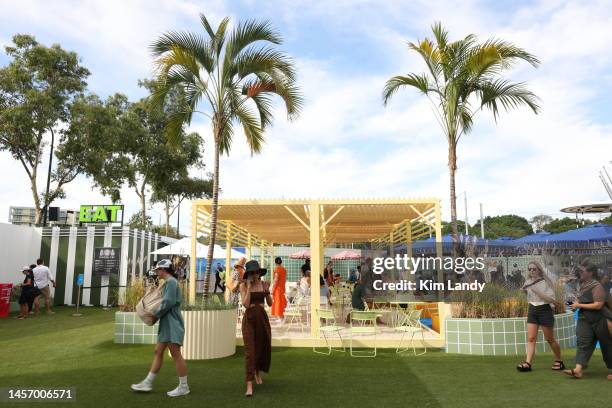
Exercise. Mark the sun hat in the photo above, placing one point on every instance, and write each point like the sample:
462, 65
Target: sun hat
253, 267
25, 268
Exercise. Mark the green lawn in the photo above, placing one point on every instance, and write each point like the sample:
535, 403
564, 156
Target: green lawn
65, 351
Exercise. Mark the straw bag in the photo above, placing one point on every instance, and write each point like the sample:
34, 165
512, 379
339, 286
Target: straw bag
149, 304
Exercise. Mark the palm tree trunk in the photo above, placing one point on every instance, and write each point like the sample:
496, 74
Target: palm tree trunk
452, 168
213, 216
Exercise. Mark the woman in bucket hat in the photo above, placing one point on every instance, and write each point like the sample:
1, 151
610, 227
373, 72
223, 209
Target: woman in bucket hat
171, 333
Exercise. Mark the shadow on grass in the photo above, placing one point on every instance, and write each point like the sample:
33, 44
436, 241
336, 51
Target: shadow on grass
297, 379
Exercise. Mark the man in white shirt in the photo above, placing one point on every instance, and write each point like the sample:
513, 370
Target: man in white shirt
42, 277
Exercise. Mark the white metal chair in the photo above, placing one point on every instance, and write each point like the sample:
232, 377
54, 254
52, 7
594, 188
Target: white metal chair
411, 324
293, 313
366, 325
329, 326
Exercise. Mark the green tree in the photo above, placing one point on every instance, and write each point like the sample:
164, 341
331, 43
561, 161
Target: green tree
607, 220
539, 221
37, 88
506, 226
447, 227
464, 77
137, 221
172, 190
563, 224
94, 141
230, 79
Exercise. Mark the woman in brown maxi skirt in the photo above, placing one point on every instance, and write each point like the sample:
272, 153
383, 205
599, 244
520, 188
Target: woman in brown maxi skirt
256, 331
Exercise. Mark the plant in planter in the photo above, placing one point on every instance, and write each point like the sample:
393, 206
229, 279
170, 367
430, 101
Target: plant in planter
210, 329
129, 329
494, 321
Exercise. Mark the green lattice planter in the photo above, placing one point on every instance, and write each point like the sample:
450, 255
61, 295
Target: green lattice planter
129, 329
494, 337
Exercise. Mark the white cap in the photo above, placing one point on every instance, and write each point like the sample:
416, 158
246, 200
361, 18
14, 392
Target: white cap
163, 263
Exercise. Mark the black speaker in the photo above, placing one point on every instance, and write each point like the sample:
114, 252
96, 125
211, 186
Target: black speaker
53, 213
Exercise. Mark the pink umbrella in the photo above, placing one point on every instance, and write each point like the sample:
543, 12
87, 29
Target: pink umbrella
305, 254
346, 255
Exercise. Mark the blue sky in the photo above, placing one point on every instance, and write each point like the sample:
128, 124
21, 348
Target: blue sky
346, 144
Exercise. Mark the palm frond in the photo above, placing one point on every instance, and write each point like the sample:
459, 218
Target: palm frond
195, 44
507, 94
207, 26
251, 126
249, 32
440, 34
264, 59
430, 54
419, 82
174, 126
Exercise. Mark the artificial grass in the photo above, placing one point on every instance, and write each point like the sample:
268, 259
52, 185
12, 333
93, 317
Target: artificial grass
64, 351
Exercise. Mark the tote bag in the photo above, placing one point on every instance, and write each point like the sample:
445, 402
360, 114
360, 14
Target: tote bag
149, 304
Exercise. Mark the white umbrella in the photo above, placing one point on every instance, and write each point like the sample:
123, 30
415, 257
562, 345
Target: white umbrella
182, 247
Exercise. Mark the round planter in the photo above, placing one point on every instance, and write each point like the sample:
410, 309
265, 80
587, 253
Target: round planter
209, 334
129, 329
494, 337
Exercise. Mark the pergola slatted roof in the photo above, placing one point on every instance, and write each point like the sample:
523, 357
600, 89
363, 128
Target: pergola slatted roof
343, 221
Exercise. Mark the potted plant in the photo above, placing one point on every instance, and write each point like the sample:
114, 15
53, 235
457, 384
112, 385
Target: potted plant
494, 322
210, 329
210, 326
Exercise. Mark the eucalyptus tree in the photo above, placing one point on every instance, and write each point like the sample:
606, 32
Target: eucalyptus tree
37, 89
229, 77
462, 78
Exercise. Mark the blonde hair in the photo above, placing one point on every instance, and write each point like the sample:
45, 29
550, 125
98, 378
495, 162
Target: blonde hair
541, 272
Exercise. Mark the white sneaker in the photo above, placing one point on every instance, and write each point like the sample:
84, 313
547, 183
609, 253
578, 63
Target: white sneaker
179, 391
143, 386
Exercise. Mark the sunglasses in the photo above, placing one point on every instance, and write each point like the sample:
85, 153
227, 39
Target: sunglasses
532, 269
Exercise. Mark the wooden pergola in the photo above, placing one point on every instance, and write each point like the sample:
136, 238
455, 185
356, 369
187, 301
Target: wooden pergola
315, 223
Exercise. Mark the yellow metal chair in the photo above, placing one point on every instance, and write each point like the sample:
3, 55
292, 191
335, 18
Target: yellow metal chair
328, 326
411, 324
366, 324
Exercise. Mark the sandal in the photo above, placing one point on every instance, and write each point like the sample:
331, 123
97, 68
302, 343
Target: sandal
573, 374
558, 365
524, 367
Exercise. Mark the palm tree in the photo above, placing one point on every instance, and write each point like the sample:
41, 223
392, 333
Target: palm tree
230, 79
463, 78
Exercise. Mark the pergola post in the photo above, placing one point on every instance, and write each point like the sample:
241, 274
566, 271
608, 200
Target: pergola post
193, 275
409, 248
442, 306
315, 267
249, 247
272, 265
262, 254
228, 250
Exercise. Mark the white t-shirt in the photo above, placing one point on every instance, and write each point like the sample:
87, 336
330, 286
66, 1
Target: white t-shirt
42, 276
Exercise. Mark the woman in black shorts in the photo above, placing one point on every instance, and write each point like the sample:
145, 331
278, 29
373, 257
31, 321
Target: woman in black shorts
541, 298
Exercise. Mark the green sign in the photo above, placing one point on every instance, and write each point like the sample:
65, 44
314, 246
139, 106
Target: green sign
101, 213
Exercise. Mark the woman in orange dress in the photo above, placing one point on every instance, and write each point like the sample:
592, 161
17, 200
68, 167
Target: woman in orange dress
278, 292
